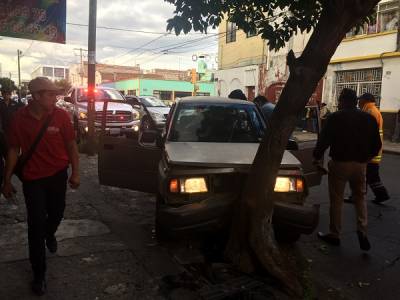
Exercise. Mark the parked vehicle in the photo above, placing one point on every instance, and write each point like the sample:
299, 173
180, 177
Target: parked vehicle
121, 118
198, 167
154, 110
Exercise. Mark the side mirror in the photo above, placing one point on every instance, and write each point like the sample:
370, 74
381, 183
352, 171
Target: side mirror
292, 145
150, 138
68, 99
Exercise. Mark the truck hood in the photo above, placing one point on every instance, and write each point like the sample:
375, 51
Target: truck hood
111, 106
219, 154
159, 110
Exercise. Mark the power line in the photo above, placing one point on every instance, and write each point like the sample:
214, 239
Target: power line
124, 29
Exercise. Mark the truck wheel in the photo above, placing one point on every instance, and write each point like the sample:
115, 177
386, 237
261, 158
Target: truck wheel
285, 235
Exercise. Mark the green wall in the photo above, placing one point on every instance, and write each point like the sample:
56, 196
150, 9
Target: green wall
148, 86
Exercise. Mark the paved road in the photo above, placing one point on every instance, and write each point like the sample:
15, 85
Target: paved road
345, 271
106, 249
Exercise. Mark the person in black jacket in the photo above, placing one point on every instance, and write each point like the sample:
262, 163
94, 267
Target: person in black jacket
353, 138
7, 109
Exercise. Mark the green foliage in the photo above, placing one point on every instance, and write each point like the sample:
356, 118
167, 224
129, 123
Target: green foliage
275, 20
7, 84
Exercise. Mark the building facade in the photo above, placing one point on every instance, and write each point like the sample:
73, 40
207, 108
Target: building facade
51, 72
104, 73
167, 90
239, 58
369, 61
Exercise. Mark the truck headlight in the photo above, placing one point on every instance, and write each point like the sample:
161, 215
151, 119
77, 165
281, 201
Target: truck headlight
289, 184
157, 117
188, 185
82, 115
135, 116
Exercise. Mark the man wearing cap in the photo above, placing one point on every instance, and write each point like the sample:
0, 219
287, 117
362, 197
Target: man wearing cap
353, 139
366, 102
45, 173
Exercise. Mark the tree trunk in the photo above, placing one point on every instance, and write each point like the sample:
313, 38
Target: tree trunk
251, 242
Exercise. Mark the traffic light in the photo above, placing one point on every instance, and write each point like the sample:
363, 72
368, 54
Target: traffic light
193, 76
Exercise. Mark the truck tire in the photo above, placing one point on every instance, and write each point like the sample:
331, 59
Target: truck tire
284, 235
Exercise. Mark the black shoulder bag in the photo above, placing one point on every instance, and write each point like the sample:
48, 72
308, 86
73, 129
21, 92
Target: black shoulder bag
23, 159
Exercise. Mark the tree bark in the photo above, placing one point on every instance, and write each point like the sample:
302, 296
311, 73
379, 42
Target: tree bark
251, 242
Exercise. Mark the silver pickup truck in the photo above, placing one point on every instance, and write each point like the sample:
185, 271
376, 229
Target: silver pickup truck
198, 167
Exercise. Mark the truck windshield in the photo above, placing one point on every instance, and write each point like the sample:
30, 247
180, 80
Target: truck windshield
152, 102
101, 95
216, 123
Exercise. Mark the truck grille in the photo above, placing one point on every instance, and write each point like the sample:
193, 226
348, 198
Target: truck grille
115, 116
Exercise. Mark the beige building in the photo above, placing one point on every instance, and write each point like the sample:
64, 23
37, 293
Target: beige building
367, 61
239, 58
245, 62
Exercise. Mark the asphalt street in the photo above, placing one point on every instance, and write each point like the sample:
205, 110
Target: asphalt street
107, 249
346, 272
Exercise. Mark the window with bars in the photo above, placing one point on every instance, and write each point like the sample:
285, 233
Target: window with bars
362, 81
388, 16
230, 32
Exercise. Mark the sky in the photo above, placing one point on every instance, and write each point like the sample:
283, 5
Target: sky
154, 49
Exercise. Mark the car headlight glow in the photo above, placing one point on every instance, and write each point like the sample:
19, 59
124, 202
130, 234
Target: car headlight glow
289, 184
82, 115
188, 185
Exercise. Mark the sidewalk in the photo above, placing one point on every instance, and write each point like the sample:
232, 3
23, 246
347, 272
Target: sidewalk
390, 147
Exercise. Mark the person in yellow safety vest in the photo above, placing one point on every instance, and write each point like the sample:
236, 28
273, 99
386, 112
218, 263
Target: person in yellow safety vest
366, 102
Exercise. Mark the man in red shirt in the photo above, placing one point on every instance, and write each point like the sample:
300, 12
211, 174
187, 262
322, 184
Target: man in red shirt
45, 173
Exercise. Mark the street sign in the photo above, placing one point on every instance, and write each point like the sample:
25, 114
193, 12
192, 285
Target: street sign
43, 20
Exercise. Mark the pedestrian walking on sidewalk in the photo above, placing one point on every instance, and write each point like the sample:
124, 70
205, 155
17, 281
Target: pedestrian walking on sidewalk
353, 138
366, 102
44, 136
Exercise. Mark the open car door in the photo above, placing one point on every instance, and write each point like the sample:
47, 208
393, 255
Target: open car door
306, 135
124, 163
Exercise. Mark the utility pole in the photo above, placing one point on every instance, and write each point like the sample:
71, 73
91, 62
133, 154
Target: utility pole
19, 54
81, 66
91, 75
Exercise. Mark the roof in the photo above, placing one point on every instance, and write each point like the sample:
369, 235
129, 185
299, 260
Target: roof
212, 99
99, 87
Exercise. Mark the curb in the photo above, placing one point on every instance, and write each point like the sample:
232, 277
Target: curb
390, 151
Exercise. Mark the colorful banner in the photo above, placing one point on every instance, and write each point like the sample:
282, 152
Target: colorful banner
43, 20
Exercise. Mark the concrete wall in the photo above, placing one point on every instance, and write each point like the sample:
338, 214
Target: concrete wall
365, 45
237, 78
146, 87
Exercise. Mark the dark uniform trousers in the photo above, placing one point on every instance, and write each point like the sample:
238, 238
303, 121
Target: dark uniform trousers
45, 204
375, 183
